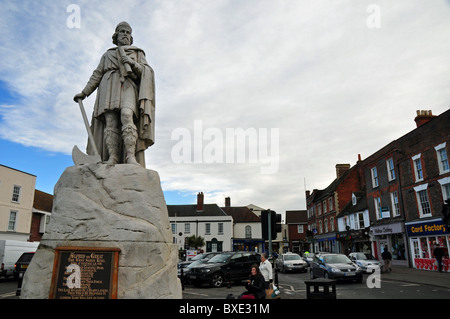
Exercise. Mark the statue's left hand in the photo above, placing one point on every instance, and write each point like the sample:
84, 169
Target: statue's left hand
79, 96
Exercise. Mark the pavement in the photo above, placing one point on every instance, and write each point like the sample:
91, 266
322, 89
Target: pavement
419, 276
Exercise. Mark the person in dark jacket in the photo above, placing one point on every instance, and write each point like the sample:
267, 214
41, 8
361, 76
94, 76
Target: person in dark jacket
255, 284
387, 257
438, 254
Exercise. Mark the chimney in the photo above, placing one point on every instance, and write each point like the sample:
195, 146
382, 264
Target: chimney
200, 201
227, 201
423, 116
308, 193
341, 169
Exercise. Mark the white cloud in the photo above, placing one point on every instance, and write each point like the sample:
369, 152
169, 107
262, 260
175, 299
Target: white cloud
314, 70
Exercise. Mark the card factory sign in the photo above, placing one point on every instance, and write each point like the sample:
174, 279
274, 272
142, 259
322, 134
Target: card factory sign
434, 227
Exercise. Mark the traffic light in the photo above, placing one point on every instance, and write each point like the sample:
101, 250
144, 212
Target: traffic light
265, 224
446, 213
275, 226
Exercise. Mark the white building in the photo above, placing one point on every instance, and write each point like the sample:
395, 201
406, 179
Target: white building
16, 203
205, 220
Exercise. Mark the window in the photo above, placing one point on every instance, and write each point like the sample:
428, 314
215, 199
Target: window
422, 200
174, 228
300, 229
442, 158
248, 232
324, 204
16, 194
208, 229
390, 169
445, 186
330, 203
394, 201
326, 225
354, 200
377, 201
187, 228
360, 221
418, 172
220, 229
12, 220
320, 227
331, 223
319, 209
374, 177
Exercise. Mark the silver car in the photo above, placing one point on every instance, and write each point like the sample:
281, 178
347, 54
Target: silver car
366, 262
291, 262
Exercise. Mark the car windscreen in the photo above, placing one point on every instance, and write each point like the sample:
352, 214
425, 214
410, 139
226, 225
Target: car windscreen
360, 256
26, 257
292, 257
336, 259
222, 258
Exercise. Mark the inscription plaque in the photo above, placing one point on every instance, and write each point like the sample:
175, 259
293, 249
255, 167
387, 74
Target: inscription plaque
85, 273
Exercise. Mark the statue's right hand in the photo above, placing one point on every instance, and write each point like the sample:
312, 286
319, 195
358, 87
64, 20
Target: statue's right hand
79, 96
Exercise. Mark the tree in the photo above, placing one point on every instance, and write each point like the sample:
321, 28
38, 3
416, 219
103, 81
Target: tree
195, 241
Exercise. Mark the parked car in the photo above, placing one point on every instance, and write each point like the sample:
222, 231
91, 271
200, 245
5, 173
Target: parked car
200, 258
228, 266
291, 262
184, 267
367, 262
10, 251
22, 263
335, 266
308, 257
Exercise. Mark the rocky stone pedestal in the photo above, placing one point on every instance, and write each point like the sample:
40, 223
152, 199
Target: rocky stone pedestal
121, 206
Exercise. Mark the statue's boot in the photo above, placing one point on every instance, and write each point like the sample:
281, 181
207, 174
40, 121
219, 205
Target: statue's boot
129, 136
112, 145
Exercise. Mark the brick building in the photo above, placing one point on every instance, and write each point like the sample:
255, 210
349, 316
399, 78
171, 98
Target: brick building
323, 206
297, 224
407, 183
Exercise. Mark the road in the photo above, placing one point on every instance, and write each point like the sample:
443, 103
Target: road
292, 286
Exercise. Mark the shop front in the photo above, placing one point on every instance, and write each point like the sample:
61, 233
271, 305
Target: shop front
355, 240
242, 244
424, 236
326, 242
392, 236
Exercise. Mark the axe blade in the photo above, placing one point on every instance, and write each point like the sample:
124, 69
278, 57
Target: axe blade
80, 158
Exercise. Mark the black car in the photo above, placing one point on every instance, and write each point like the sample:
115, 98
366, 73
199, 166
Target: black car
183, 266
335, 266
228, 266
22, 263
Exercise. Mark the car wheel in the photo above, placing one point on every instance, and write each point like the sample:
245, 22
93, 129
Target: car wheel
217, 280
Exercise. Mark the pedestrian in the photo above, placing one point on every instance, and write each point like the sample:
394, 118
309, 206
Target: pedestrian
387, 257
255, 285
438, 254
266, 269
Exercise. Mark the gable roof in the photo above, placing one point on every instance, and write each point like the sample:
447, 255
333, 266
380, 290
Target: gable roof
191, 210
42, 201
241, 214
296, 217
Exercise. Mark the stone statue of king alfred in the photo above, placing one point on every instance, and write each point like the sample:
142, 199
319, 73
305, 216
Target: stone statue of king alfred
123, 118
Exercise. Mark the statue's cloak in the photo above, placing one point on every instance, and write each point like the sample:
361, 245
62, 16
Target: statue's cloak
115, 91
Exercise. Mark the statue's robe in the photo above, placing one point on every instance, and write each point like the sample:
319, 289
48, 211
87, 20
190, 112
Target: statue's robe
137, 92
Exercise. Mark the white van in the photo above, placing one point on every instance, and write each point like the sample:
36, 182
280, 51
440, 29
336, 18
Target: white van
10, 251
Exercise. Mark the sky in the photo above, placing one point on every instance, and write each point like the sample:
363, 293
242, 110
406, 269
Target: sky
256, 100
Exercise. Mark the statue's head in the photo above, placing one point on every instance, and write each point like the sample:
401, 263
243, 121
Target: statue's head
123, 34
